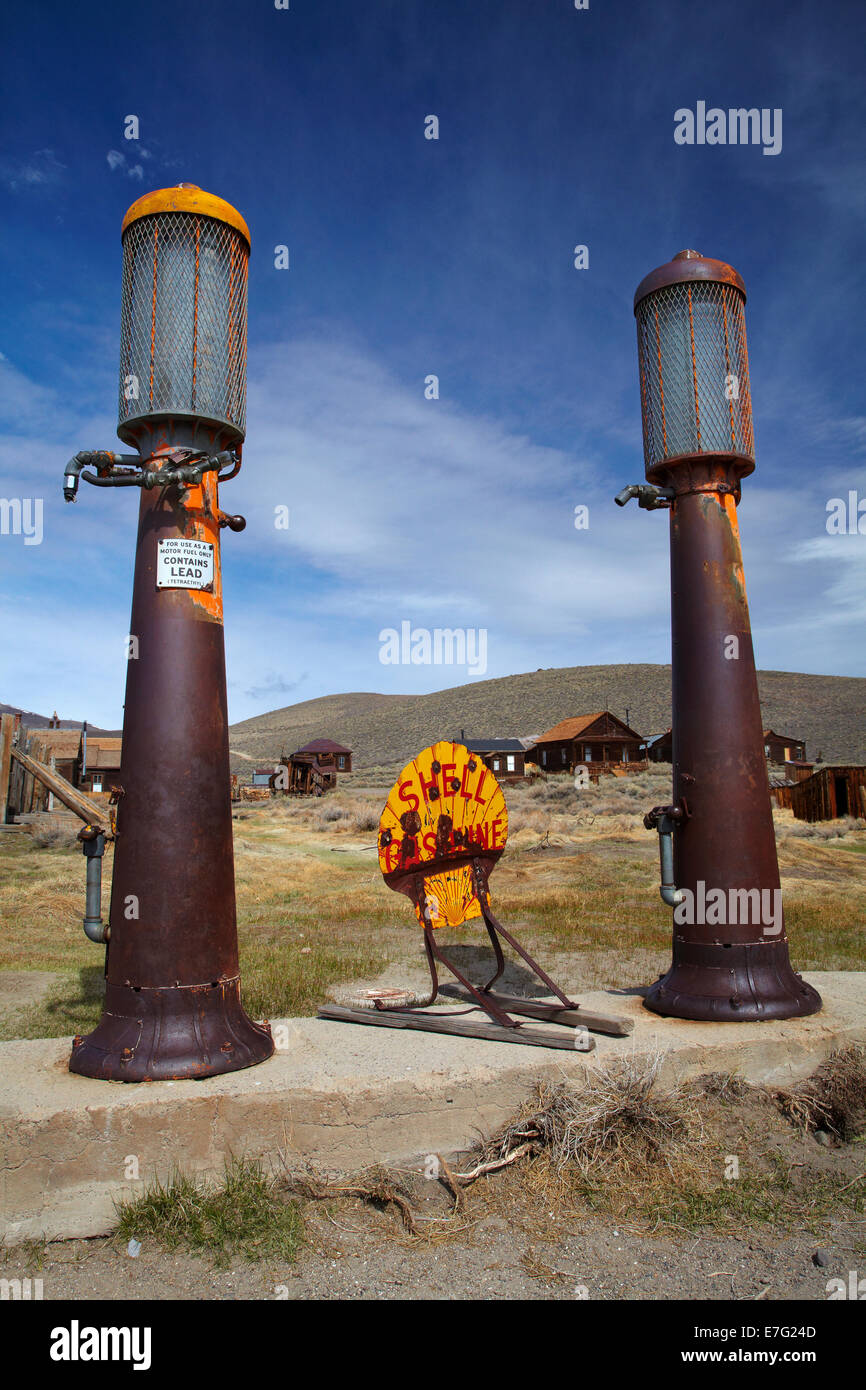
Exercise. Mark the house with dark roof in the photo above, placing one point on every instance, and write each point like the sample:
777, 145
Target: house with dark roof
313, 769
590, 739
327, 753
660, 748
506, 757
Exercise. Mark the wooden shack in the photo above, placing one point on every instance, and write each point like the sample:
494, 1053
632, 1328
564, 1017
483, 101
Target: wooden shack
506, 757
600, 740
783, 748
56, 749
59, 749
98, 763
312, 770
327, 754
829, 793
660, 748
798, 770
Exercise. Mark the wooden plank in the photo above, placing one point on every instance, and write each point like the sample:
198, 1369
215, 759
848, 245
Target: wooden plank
612, 1024
459, 1027
84, 808
7, 728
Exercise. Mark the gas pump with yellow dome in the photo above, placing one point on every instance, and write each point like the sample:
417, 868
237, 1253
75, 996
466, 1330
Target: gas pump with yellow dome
172, 1005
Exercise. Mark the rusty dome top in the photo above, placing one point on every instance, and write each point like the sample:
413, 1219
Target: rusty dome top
187, 197
688, 265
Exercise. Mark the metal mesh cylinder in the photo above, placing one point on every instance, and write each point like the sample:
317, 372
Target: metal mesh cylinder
184, 314
694, 365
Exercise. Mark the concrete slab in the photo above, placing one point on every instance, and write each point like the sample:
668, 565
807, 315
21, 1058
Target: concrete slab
339, 1095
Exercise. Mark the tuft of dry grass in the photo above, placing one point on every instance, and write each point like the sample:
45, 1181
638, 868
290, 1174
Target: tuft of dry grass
833, 1098
616, 1119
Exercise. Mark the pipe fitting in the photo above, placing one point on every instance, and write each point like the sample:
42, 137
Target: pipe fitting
185, 468
649, 497
663, 819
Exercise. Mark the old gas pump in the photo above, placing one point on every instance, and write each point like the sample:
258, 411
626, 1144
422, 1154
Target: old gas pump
172, 1004
720, 873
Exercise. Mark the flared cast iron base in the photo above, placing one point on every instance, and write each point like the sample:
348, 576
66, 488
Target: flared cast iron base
732, 984
180, 1033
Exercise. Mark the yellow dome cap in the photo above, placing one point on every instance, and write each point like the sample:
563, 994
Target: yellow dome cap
187, 197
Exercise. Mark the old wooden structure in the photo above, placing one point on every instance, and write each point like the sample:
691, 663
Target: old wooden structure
311, 770
98, 763
506, 757
51, 748
797, 770
441, 833
828, 794
660, 748
600, 740
783, 748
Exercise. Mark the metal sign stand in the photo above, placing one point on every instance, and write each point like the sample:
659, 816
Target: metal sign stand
455, 853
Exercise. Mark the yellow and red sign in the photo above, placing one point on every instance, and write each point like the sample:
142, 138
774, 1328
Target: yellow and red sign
445, 805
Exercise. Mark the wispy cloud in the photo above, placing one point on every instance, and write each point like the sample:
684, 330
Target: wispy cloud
118, 162
273, 686
40, 171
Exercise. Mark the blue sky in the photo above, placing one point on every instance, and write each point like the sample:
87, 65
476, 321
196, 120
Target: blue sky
454, 257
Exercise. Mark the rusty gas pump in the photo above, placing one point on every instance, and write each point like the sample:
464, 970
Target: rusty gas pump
172, 1004
719, 869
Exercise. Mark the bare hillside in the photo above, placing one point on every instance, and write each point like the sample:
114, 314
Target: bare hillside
827, 711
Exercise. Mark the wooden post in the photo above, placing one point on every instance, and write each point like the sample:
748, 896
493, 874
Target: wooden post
75, 800
7, 728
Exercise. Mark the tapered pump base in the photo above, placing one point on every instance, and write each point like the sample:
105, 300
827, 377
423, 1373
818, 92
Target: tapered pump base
186, 1032
735, 983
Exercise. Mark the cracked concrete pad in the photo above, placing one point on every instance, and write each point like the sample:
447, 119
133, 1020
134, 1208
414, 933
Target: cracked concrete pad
341, 1096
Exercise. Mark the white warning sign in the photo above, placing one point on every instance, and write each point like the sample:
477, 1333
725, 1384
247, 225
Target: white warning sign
184, 564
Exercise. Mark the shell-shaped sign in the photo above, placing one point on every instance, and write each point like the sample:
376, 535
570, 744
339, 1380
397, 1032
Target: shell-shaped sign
445, 805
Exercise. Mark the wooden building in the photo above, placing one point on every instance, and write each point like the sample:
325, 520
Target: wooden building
59, 749
327, 753
312, 770
601, 740
830, 793
660, 748
798, 770
782, 748
98, 763
506, 757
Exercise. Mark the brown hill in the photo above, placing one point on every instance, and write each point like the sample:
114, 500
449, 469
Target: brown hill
826, 711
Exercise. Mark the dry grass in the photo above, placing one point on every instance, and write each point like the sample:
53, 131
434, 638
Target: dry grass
578, 881
620, 1145
833, 1098
617, 1121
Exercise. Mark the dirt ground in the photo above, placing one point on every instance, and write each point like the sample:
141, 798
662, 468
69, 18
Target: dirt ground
518, 1235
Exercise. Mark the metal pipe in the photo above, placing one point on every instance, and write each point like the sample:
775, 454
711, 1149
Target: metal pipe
94, 458
663, 819
93, 845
